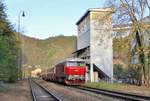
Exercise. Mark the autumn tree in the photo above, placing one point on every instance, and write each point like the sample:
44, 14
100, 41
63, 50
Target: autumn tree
133, 13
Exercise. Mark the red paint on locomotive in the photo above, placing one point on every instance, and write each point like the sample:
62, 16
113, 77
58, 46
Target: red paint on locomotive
75, 70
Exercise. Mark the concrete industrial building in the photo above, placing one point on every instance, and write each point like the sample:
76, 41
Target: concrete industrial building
94, 43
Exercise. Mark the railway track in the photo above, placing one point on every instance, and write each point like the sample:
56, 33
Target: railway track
121, 96
116, 94
40, 93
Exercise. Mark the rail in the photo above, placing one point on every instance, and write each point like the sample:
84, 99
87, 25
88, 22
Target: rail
116, 94
35, 96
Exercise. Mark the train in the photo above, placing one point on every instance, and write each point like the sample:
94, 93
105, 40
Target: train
71, 71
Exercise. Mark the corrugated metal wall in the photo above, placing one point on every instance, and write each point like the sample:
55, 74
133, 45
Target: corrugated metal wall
83, 39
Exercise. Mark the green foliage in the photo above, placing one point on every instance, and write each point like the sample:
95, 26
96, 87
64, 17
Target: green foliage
8, 48
121, 50
133, 74
130, 75
149, 66
118, 71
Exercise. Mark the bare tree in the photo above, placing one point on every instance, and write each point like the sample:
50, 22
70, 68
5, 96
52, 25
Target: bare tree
134, 12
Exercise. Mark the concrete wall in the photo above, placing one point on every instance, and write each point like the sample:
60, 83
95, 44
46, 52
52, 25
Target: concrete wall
95, 31
101, 41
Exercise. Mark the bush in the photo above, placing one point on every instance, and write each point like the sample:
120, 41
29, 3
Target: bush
118, 71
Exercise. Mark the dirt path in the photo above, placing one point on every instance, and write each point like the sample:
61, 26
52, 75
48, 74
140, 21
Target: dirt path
20, 92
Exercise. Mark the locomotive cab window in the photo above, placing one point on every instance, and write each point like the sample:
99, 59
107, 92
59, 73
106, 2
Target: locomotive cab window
74, 63
81, 64
71, 63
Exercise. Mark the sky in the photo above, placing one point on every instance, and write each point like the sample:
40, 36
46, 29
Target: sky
46, 18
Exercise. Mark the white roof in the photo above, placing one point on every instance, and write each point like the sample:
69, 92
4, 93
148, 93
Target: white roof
71, 59
74, 59
94, 10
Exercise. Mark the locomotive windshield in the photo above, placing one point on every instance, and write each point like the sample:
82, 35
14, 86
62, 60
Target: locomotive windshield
75, 63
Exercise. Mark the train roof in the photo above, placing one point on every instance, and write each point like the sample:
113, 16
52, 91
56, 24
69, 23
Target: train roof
71, 60
75, 59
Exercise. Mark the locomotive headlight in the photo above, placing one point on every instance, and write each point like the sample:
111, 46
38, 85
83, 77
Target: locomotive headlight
70, 77
82, 77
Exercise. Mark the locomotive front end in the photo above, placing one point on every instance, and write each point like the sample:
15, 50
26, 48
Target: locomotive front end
75, 72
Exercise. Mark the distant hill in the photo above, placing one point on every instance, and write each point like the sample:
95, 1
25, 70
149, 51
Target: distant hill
44, 53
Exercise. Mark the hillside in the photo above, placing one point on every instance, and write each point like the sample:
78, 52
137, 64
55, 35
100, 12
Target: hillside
44, 53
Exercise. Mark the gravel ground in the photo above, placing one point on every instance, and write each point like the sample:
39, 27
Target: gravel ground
20, 92
72, 94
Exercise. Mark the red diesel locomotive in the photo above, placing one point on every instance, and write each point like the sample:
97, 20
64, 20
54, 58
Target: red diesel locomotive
70, 71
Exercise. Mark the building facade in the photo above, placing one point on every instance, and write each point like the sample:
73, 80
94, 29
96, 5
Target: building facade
94, 43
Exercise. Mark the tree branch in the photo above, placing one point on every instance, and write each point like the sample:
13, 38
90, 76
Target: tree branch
148, 5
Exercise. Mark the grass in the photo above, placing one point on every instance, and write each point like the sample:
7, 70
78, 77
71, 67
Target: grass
4, 87
105, 85
141, 90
